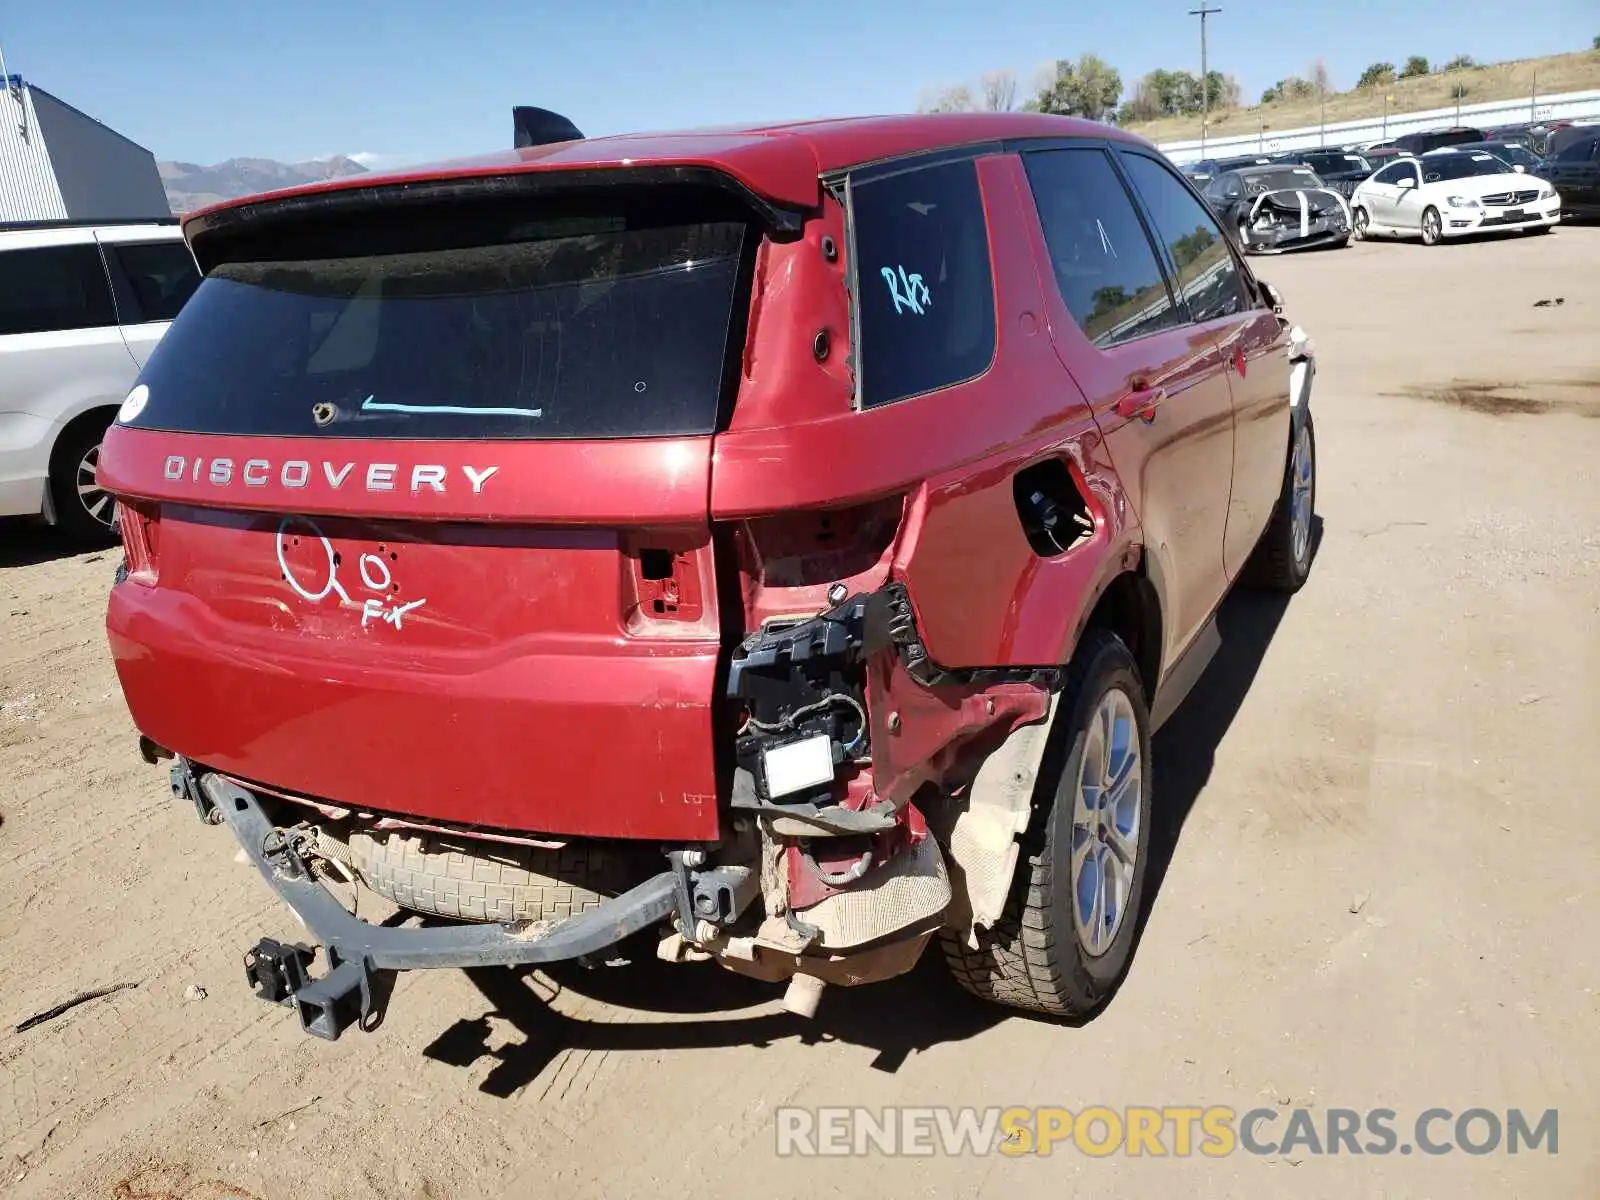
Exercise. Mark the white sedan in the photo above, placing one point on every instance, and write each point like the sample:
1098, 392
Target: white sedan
1448, 194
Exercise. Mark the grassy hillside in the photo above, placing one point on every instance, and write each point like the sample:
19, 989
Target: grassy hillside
1494, 81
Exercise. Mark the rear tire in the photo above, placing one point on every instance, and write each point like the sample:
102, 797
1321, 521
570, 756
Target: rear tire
1360, 222
1042, 954
1282, 558
471, 880
84, 513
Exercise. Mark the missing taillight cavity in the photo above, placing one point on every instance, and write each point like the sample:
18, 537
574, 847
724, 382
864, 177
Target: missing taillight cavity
804, 549
1055, 517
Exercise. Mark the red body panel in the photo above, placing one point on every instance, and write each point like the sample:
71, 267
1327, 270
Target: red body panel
957, 449
659, 481
534, 688
1260, 388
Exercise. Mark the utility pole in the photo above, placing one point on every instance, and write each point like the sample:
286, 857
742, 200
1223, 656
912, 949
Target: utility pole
1533, 101
1205, 79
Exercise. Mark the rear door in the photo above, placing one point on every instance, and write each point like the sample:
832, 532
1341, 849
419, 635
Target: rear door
1252, 342
152, 276
1153, 375
418, 515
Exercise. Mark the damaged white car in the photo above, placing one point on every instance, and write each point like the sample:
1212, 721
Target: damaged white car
1277, 207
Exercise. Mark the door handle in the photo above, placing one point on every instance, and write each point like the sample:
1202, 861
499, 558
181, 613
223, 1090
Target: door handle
1141, 403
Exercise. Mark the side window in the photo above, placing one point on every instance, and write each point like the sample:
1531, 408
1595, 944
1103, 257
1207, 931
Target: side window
1207, 278
1105, 267
53, 288
1389, 175
161, 275
922, 268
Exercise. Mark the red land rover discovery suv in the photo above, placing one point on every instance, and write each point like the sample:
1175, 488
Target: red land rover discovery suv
784, 539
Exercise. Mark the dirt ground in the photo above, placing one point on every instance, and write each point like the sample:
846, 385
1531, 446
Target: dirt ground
1377, 880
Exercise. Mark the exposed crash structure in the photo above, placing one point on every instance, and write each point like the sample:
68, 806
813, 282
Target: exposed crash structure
1276, 208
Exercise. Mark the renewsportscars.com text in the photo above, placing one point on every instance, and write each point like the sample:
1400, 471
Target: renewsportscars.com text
1176, 1131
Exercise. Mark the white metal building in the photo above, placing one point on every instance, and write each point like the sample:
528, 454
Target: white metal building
58, 164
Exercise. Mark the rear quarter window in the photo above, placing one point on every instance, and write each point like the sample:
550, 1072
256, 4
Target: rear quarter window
153, 279
926, 290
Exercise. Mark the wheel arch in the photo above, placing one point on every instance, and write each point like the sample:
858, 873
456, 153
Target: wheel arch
1130, 607
97, 414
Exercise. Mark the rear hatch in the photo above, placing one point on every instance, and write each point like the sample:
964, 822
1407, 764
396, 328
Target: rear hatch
415, 509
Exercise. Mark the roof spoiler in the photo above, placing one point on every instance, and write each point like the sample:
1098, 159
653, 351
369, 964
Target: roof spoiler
540, 127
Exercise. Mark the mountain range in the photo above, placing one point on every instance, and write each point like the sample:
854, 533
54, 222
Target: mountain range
190, 186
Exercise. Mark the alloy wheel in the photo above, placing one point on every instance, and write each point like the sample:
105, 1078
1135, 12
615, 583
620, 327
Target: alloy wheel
96, 501
1105, 823
1302, 490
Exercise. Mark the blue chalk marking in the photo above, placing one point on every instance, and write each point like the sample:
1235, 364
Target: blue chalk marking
461, 410
907, 291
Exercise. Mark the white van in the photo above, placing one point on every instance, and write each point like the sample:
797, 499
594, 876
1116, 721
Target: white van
81, 307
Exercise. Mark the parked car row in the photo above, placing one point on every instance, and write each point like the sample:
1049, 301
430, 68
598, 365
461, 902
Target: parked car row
1432, 185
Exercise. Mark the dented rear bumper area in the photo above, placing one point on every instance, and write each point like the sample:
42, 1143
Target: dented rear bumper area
829, 867
1295, 220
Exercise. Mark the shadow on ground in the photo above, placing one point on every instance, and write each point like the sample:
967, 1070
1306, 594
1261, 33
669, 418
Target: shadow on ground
914, 1012
28, 542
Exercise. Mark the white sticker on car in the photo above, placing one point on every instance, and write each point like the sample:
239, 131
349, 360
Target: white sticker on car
134, 404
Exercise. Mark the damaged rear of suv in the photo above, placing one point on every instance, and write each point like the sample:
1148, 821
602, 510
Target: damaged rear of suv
785, 540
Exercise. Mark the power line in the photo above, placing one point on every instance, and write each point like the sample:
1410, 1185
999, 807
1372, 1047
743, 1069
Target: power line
1205, 78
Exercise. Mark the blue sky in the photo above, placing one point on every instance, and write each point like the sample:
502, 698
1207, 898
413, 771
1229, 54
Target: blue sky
408, 80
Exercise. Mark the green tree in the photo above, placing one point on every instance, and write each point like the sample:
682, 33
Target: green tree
1292, 88
1089, 87
1379, 74
1415, 65
1461, 62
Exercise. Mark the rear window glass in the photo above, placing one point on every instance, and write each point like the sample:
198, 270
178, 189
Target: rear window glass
586, 326
922, 269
